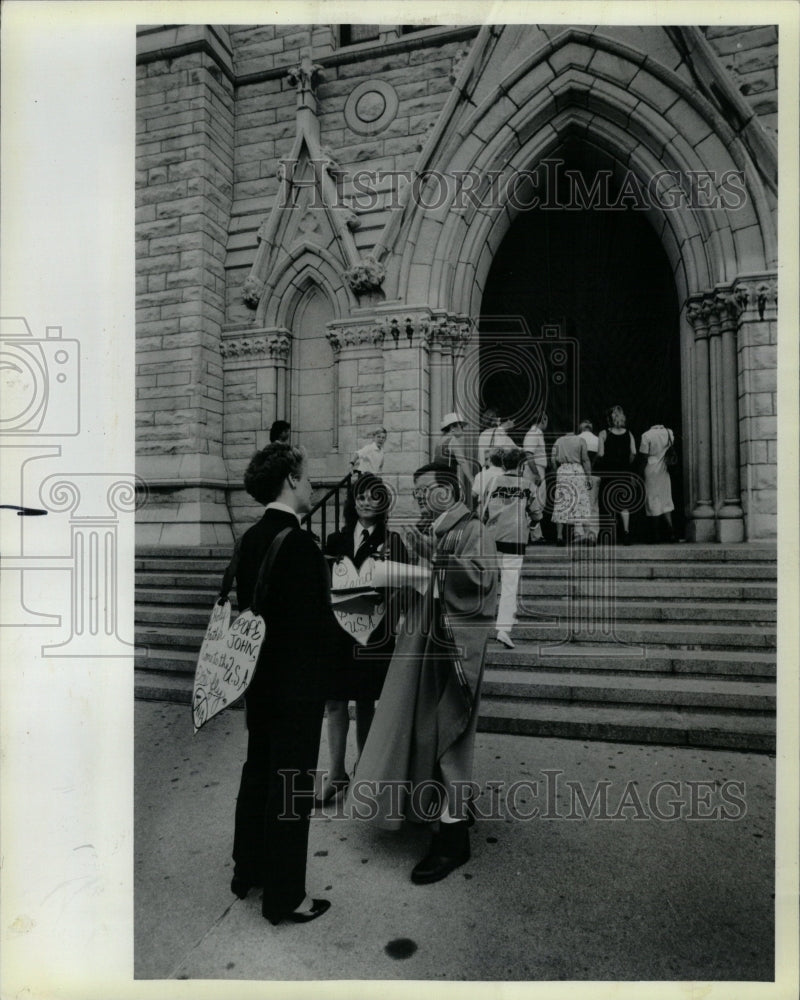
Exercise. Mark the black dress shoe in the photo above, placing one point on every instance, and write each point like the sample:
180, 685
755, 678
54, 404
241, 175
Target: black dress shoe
241, 886
319, 907
449, 850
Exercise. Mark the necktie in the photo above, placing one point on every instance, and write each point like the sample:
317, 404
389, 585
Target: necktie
363, 547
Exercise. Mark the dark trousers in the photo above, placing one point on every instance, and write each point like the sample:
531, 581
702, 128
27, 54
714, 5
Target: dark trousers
270, 843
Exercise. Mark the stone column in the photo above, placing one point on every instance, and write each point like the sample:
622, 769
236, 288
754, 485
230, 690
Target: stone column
254, 364
715, 398
436, 392
280, 349
702, 528
756, 298
730, 525
357, 346
184, 189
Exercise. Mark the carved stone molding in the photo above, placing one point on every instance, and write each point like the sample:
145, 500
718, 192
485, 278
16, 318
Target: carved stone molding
371, 107
459, 58
365, 277
401, 330
368, 334
757, 297
750, 297
273, 345
252, 290
305, 76
450, 332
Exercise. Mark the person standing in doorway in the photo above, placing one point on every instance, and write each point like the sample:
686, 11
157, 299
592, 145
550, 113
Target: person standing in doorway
586, 431
450, 452
655, 444
616, 452
511, 505
536, 452
495, 436
573, 483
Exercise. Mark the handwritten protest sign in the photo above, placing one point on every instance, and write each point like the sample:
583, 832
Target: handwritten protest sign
226, 662
358, 607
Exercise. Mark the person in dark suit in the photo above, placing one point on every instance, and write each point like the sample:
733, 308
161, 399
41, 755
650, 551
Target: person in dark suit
286, 698
364, 667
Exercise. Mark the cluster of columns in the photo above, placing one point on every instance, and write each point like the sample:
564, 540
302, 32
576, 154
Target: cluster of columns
717, 317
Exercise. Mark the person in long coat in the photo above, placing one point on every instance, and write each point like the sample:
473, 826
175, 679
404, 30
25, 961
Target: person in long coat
417, 761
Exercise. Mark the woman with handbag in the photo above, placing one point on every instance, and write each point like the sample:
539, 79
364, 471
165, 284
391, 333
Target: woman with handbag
658, 444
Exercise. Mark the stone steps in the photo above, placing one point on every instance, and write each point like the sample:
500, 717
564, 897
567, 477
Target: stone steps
687, 726
616, 659
690, 659
626, 612
757, 636
642, 689
733, 730
660, 590
745, 573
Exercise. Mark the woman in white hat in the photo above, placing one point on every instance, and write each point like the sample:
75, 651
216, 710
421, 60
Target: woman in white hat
450, 451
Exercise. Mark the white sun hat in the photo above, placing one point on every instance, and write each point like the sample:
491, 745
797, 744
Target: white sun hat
452, 418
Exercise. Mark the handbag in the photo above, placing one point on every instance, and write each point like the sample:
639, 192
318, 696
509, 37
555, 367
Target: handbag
227, 659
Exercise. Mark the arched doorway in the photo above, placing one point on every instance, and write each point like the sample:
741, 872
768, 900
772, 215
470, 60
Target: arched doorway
579, 312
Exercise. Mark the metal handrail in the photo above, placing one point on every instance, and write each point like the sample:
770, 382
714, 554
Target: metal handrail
322, 506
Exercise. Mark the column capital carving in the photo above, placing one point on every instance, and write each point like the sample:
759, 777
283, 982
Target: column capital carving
749, 297
355, 335
256, 345
756, 296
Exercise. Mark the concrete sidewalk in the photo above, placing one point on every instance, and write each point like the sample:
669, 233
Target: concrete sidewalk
632, 898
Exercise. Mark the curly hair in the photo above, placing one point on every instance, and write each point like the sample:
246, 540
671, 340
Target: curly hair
269, 469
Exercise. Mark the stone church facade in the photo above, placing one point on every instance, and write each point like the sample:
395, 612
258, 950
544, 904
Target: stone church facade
319, 209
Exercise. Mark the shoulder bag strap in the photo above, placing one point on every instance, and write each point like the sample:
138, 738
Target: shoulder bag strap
230, 574
266, 570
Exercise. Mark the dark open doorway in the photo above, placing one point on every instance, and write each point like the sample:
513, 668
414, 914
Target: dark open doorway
598, 320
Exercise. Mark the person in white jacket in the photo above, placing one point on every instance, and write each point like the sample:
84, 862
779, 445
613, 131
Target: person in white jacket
510, 503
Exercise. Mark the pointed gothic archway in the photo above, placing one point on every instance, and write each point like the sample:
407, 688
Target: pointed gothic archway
599, 315
583, 87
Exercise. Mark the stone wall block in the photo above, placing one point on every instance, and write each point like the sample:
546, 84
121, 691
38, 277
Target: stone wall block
761, 403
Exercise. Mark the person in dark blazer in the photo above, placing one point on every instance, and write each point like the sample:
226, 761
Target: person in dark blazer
364, 667
286, 698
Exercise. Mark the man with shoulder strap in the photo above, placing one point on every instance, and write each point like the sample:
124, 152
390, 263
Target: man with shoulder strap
286, 698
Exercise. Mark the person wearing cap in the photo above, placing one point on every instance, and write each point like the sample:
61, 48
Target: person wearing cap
450, 452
